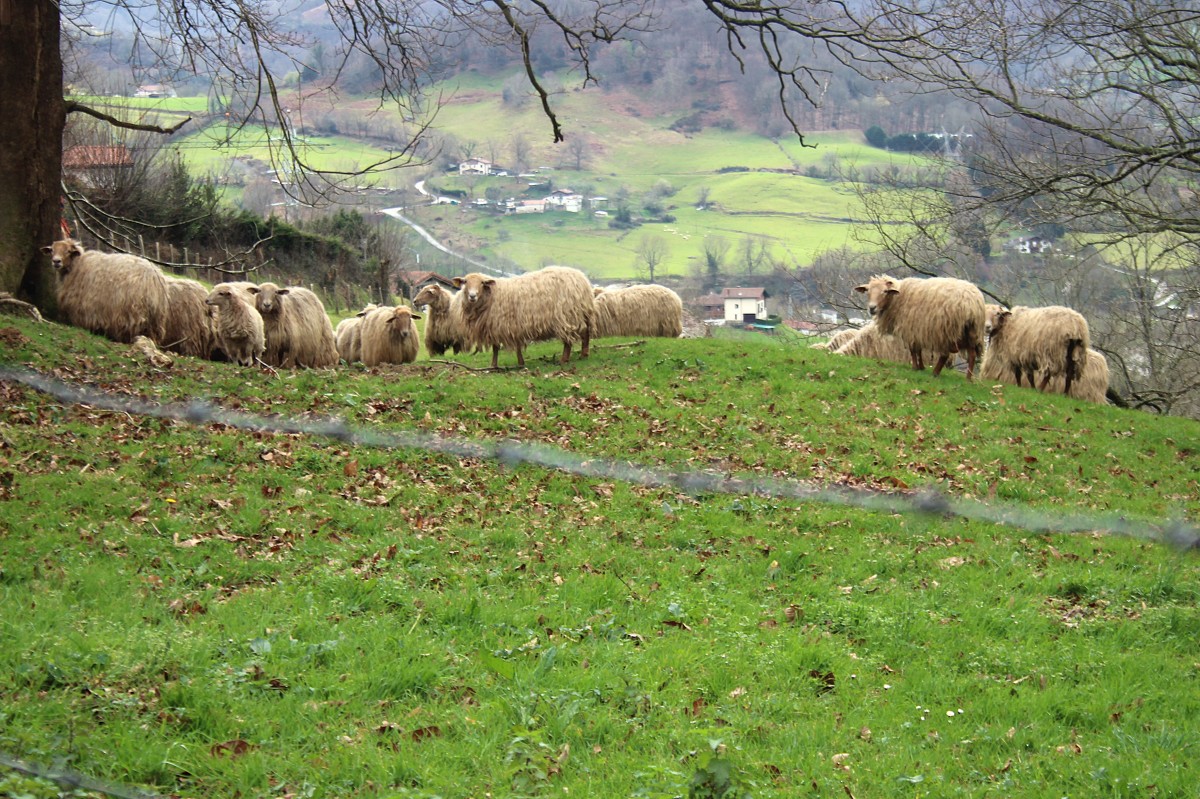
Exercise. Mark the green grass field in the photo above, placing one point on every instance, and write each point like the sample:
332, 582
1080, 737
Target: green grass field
798, 216
206, 611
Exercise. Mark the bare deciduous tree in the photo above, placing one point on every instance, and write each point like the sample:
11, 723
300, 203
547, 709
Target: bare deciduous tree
652, 250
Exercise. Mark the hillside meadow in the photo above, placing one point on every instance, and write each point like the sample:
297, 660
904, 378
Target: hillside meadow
777, 192
206, 610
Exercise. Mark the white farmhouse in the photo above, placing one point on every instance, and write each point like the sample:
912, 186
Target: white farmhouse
475, 166
745, 305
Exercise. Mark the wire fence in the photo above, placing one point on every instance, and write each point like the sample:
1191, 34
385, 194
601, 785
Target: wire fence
1176, 532
70, 779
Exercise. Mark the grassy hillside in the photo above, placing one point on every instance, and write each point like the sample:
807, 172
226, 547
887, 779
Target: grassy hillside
629, 150
209, 612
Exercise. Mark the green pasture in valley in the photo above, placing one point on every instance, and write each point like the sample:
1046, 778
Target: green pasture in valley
201, 610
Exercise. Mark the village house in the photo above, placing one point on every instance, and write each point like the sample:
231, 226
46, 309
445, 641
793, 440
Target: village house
96, 165
712, 307
409, 283
155, 90
565, 199
744, 305
475, 166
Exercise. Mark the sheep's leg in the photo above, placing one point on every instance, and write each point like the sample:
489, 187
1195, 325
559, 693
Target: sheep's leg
1071, 345
566, 356
520, 357
941, 362
587, 338
918, 362
1017, 375
1046, 380
972, 355
496, 355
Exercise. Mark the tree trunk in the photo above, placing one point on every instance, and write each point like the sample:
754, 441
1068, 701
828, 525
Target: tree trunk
31, 127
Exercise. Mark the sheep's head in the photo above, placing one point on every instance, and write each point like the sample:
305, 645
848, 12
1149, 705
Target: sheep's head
400, 322
267, 298
63, 254
433, 294
476, 288
995, 320
879, 290
370, 306
220, 296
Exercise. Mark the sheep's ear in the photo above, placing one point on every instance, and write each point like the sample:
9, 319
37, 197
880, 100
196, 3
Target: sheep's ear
415, 315
282, 292
488, 282
1004, 314
458, 282
76, 248
254, 289
863, 288
48, 250
892, 290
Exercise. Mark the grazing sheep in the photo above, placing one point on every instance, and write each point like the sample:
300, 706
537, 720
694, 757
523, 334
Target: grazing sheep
445, 328
939, 314
869, 342
117, 295
347, 335
638, 311
389, 335
1053, 340
837, 340
555, 302
1092, 383
238, 324
189, 324
299, 333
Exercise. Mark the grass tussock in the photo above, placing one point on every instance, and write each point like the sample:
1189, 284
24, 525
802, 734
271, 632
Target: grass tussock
210, 612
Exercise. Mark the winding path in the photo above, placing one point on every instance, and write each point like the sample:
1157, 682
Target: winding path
425, 234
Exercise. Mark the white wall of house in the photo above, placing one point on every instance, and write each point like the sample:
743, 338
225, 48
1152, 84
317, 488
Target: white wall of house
737, 308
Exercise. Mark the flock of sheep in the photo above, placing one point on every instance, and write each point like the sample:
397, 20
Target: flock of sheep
912, 320
124, 296
915, 319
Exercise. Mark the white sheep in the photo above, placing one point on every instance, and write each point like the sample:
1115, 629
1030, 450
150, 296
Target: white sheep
189, 324
445, 328
838, 339
347, 336
389, 335
1053, 340
238, 324
552, 303
939, 314
649, 310
868, 342
1092, 383
298, 330
117, 295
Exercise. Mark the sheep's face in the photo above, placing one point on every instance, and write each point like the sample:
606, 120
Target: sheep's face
430, 295
995, 320
220, 296
268, 298
400, 322
476, 288
63, 254
879, 291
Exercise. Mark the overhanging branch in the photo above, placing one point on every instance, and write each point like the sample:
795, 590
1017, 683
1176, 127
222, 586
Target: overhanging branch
76, 107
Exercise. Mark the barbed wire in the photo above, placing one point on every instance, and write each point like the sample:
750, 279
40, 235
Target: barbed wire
509, 453
72, 779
